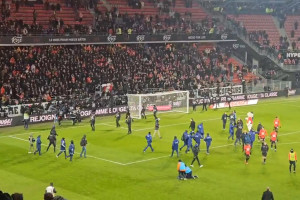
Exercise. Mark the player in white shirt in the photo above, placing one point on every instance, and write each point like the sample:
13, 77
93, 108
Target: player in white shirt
51, 189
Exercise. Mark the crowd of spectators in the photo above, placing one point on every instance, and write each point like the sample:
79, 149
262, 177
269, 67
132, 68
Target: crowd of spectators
43, 72
114, 22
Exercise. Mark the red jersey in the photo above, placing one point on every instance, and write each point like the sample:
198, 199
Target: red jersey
276, 122
262, 134
274, 136
247, 149
249, 120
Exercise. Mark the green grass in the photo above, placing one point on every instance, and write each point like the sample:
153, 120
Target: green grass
224, 175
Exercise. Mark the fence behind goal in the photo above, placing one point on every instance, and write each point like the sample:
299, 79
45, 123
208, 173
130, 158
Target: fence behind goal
175, 101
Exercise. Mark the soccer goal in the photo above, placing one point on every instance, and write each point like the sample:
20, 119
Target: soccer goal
174, 101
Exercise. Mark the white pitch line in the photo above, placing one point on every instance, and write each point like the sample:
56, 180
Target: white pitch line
112, 125
139, 161
290, 133
174, 125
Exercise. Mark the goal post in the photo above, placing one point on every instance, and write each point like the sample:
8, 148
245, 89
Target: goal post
173, 101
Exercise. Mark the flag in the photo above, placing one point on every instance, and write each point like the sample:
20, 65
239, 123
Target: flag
201, 129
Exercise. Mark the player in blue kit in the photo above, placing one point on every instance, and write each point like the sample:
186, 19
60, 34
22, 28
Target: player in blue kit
175, 146
71, 150
207, 140
149, 142
62, 148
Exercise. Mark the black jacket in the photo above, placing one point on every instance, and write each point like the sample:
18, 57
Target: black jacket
195, 150
267, 195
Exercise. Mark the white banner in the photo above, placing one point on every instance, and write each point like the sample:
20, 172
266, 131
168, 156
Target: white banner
232, 90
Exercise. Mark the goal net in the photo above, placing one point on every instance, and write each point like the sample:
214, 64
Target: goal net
175, 101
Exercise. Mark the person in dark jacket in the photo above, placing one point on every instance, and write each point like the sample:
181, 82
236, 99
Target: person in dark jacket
224, 120
128, 122
192, 124
52, 141
259, 127
38, 145
267, 195
195, 152
118, 117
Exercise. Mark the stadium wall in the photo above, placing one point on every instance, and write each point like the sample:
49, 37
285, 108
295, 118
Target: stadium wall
17, 121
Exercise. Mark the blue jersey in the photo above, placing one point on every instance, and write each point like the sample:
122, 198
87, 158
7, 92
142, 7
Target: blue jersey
62, 145
189, 139
197, 138
252, 135
187, 170
182, 166
71, 149
247, 139
208, 140
175, 144
184, 136
157, 123
231, 129
38, 142
149, 138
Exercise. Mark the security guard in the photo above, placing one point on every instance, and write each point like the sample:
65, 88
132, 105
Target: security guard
293, 160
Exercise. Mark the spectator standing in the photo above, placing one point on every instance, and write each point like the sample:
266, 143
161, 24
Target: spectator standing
83, 144
267, 195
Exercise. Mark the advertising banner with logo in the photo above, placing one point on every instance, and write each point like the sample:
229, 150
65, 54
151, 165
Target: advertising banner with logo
111, 39
242, 97
234, 104
234, 90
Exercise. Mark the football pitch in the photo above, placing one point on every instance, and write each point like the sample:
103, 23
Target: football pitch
117, 168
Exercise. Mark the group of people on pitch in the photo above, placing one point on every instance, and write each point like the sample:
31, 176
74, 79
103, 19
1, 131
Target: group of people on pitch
52, 141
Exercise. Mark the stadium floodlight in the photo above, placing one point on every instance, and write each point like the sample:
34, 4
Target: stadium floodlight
173, 101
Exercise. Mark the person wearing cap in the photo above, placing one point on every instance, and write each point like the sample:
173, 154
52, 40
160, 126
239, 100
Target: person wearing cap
71, 150
50, 189
293, 160
62, 148
267, 195
157, 128
195, 152
38, 145
31, 143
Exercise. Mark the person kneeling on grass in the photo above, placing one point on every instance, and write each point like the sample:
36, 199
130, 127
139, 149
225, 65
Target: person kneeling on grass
181, 170
189, 173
